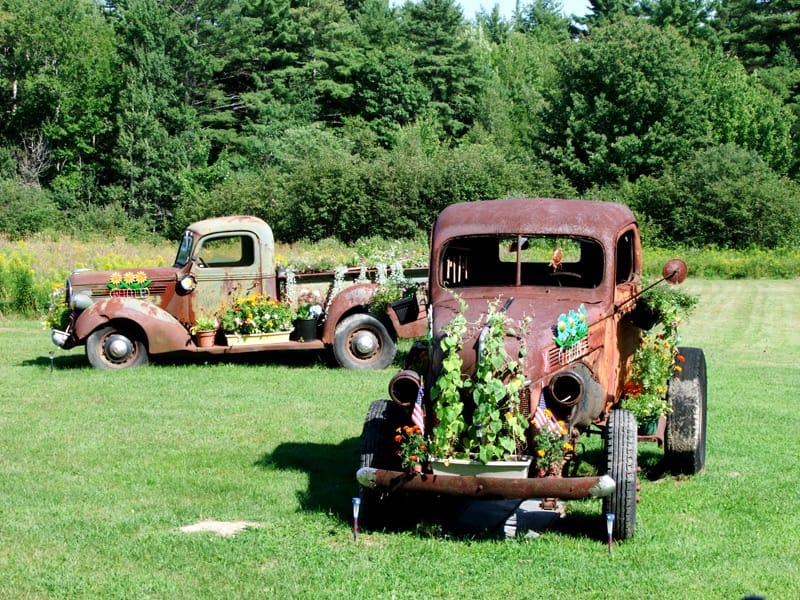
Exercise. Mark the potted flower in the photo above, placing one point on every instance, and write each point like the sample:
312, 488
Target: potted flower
397, 293
308, 308
497, 428
204, 329
58, 316
657, 358
256, 319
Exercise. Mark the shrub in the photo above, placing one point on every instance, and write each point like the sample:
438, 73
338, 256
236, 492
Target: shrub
723, 196
25, 209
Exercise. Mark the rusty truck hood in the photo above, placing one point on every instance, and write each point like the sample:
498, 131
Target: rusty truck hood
543, 309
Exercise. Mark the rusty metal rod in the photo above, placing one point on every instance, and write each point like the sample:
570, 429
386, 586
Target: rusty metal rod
564, 488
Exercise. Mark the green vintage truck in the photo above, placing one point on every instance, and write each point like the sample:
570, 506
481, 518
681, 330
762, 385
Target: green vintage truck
123, 319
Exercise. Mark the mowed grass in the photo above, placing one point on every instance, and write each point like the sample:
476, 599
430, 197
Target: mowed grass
98, 471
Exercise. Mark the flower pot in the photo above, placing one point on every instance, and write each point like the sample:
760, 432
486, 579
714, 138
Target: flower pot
406, 309
305, 330
205, 339
647, 425
644, 317
277, 337
508, 469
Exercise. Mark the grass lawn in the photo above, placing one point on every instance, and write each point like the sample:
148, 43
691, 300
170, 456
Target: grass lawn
98, 471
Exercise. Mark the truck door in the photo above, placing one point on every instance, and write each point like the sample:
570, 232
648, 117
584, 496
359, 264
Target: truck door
227, 267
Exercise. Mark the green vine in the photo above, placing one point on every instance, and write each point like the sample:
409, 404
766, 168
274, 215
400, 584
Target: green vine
497, 429
446, 391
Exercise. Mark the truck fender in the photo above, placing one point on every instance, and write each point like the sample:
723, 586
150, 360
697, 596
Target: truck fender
164, 332
354, 298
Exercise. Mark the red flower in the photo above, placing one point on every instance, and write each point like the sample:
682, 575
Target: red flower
632, 389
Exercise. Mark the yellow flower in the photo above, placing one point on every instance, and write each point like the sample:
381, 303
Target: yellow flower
140, 277
568, 447
115, 279
128, 277
540, 453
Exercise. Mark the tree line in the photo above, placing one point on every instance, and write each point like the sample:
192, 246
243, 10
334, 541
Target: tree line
364, 118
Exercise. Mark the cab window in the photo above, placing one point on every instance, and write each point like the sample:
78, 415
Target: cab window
227, 251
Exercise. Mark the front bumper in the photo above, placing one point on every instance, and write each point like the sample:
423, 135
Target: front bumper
564, 488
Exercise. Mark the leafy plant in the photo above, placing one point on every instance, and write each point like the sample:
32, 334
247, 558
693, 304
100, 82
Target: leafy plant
551, 447
446, 390
497, 429
498, 426
657, 358
204, 322
256, 314
58, 312
391, 288
413, 450
308, 304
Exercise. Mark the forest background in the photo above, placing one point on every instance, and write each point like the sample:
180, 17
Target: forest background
343, 120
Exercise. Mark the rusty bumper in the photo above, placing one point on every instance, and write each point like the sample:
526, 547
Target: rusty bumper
564, 488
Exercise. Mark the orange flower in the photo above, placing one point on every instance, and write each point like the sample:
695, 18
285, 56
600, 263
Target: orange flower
678, 368
680, 358
398, 438
632, 388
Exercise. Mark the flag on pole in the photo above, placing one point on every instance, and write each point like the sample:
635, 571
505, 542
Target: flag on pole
418, 414
544, 418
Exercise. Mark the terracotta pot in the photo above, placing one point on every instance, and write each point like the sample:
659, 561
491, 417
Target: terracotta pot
205, 339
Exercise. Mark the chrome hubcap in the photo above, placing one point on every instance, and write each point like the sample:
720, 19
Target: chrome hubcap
364, 344
118, 347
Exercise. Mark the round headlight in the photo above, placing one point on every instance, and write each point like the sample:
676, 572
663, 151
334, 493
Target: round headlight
188, 282
81, 301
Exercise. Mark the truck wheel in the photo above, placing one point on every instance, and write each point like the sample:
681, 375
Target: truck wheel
377, 451
621, 460
112, 348
362, 342
685, 434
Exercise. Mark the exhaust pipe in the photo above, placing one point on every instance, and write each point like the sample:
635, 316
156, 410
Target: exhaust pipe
404, 387
578, 390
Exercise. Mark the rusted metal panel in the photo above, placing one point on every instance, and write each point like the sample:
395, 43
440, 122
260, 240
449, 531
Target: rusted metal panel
564, 488
525, 215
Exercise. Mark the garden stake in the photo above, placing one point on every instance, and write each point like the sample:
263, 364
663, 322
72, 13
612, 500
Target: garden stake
356, 505
610, 527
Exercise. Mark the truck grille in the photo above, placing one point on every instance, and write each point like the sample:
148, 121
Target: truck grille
558, 357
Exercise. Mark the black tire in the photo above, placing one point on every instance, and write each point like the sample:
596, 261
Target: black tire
378, 451
111, 347
685, 434
362, 342
621, 462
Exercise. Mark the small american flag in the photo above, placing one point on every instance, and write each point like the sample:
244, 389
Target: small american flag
542, 419
418, 414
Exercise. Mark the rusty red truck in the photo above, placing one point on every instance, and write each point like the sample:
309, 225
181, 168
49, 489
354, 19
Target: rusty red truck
123, 319
510, 282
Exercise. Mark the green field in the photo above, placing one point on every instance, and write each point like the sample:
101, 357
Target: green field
98, 471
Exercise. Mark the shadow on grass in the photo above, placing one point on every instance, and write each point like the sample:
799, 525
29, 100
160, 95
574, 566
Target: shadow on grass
332, 485
331, 470
297, 358
76, 359
57, 363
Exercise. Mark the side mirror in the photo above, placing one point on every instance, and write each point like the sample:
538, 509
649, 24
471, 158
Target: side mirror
675, 271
